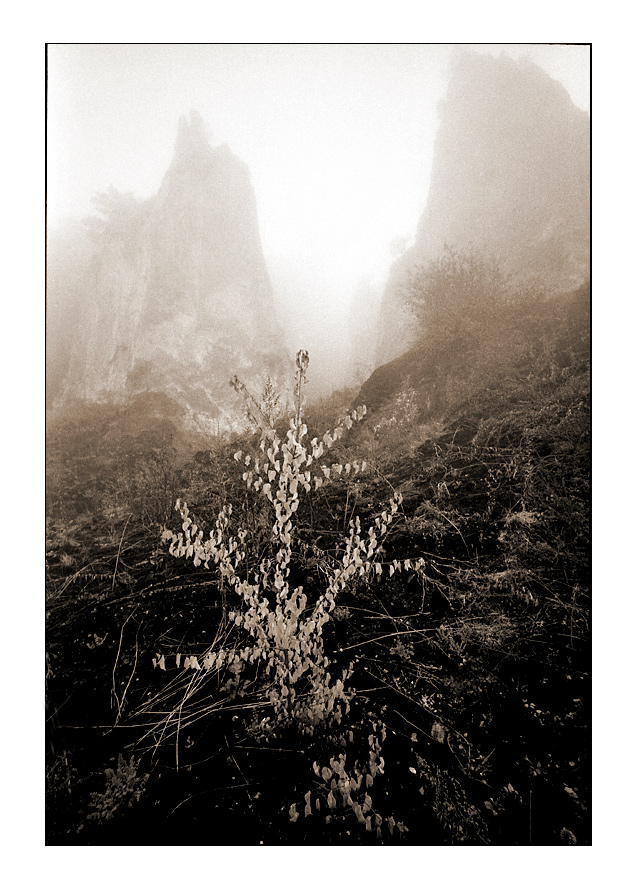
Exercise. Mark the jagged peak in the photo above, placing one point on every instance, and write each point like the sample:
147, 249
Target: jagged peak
192, 142
194, 151
477, 75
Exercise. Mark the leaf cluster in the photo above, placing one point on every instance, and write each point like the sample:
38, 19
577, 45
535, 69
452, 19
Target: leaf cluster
124, 788
341, 787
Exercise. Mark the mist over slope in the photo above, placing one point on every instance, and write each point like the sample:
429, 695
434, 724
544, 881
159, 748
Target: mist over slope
168, 295
510, 179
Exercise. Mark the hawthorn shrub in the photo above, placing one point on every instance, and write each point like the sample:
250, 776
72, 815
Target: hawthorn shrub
477, 325
284, 631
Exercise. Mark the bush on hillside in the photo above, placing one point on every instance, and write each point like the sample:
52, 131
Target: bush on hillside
478, 327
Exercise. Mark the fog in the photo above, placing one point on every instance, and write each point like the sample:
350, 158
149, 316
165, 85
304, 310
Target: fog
338, 140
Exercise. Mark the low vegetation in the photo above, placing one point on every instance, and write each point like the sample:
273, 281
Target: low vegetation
367, 627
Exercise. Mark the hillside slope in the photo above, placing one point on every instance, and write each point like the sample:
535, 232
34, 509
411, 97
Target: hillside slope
470, 684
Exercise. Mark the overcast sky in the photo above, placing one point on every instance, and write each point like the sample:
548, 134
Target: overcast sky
338, 137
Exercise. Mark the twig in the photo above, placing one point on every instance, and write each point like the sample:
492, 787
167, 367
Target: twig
116, 660
486, 758
182, 702
130, 679
269, 750
240, 771
59, 708
116, 564
386, 616
417, 728
378, 638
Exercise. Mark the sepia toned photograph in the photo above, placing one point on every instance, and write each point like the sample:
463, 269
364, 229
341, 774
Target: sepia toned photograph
318, 444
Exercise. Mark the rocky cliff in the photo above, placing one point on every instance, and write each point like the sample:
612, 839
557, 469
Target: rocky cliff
510, 178
168, 295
